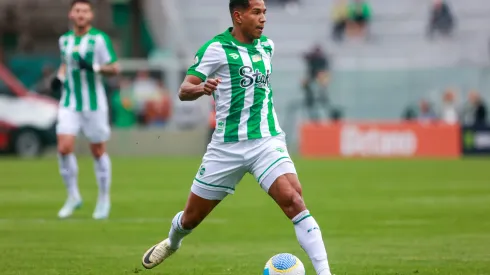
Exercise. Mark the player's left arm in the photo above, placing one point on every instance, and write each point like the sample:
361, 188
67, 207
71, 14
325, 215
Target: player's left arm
106, 62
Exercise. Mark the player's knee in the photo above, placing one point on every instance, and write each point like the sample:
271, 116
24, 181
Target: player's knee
65, 148
97, 150
292, 203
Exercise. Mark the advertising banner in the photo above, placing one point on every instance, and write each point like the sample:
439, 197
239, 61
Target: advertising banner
475, 140
405, 139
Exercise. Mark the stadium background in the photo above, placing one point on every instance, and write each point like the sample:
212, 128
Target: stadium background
382, 94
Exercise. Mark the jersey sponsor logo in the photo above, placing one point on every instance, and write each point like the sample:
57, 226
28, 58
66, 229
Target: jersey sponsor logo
256, 58
251, 77
220, 127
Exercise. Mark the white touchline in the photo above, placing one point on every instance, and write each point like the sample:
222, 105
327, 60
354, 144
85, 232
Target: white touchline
88, 219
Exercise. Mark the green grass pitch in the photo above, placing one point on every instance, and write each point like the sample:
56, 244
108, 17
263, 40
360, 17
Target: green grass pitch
377, 217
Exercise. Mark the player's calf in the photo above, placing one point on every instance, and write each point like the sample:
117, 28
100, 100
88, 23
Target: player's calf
287, 193
197, 208
68, 168
103, 174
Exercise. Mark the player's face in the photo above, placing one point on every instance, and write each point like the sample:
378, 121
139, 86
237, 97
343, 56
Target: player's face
81, 14
253, 19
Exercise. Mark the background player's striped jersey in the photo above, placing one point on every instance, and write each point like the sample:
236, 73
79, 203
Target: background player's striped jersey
84, 91
244, 105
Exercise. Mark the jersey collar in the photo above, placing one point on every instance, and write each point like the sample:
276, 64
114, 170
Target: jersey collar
234, 40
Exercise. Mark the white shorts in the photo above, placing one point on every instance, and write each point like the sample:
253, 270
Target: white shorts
94, 124
225, 164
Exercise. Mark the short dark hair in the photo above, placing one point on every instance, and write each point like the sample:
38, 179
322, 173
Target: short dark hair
74, 2
235, 4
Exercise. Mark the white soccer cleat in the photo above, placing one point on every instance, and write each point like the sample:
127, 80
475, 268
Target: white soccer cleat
69, 207
102, 210
157, 254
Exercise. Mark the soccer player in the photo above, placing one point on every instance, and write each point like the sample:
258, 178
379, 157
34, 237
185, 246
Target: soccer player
235, 68
87, 54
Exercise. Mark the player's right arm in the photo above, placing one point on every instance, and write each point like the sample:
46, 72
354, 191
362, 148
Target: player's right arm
207, 61
59, 78
193, 88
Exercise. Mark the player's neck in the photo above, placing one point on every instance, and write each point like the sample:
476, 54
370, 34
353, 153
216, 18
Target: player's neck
79, 31
238, 35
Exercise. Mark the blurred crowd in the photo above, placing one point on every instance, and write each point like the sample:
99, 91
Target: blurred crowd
352, 17
472, 112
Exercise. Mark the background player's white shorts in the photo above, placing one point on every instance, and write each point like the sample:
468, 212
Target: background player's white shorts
94, 124
225, 164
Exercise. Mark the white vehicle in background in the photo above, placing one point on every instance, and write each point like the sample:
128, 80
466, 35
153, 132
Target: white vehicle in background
27, 123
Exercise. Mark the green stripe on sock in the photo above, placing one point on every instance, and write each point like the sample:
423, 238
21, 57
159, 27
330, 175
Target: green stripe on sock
305, 217
237, 93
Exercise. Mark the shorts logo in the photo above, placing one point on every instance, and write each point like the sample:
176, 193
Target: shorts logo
280, 150
202, 170
196, 60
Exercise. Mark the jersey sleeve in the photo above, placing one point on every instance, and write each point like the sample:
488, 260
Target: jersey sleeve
267, 45
272, 46
61, 45
207, 60
104, 50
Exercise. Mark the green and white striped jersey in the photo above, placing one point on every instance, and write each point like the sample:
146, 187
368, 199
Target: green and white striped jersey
243, 100
83, 90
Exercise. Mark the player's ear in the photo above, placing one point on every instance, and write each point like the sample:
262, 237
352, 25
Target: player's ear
237, 16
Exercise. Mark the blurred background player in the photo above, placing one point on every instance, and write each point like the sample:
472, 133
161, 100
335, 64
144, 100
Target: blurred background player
86, 55
235, 67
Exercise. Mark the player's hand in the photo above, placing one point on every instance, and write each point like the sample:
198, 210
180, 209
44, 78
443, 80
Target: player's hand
56, 84
84, 65
211, 85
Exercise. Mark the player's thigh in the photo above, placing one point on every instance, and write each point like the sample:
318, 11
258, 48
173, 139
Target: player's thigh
272, 161
221, 170
69, 122
96, 126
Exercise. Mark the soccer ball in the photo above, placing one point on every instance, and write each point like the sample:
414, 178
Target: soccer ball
285, 264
